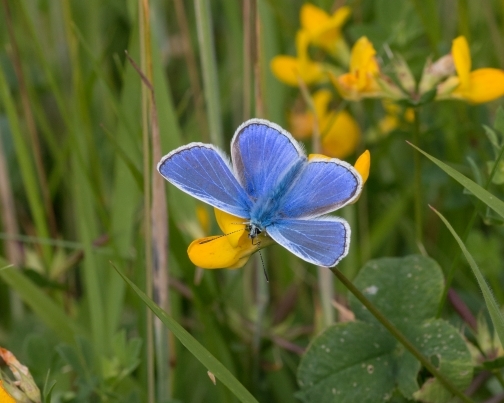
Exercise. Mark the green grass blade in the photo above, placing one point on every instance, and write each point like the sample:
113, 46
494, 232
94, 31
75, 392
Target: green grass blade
200, 352
25, 161
486, 197
209, 70
493, 308
43, 306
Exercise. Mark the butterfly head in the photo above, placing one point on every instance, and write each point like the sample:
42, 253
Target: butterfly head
253, 230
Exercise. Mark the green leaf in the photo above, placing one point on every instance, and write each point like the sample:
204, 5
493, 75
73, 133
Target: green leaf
492, 137
200, 352
360, 361
491, 304
486, 197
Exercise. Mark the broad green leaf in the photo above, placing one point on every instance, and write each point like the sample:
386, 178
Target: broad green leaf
199, 352
360, 361
491, 304
339, 366
486, 197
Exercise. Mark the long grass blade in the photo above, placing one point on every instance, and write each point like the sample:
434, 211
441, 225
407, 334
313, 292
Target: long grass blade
493, 309
25, 164
199, 352
485, 196
209, 70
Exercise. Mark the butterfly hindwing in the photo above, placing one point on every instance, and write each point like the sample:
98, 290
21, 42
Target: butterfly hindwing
262, 153
323, 241
200, 170
323, 186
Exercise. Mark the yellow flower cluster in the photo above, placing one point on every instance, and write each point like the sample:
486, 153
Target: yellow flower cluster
448, 78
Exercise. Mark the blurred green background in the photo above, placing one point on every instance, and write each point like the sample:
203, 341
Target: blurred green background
76, 174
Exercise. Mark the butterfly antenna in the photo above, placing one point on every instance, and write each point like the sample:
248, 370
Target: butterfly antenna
220, 236
264, 267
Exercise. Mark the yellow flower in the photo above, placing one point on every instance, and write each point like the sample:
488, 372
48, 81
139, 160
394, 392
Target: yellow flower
324, 30
478, 86
230, 251
365, 79
290, 69
4, 396
361, 80
340, 133
362, 164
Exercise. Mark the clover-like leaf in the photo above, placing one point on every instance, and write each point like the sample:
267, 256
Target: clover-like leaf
360, 361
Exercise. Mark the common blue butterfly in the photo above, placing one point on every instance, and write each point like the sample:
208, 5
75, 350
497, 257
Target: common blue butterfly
272, 185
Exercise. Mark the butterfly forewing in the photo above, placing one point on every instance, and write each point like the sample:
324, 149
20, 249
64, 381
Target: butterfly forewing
200, 170
262, 154
323, 241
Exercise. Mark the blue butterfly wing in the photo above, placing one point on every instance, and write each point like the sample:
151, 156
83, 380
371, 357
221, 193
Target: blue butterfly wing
323, 241
262, 152
200, 170
323, 185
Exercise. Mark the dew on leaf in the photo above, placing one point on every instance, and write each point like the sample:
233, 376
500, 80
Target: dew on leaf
371, 290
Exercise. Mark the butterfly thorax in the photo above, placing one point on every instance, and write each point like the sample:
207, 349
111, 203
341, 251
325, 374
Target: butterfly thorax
267, 207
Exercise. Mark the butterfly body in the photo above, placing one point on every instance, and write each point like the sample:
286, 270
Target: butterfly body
273, 187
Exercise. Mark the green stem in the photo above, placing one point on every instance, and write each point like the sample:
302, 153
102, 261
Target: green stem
418, 183
399, 336
451, 272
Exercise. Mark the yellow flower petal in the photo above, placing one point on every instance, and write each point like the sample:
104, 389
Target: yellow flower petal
323, 30
321, 100
318, 156
340, 134
289, 70
216, 252
312, 17
4, 396
286, 69
203, 218
462, 59
485, 85
363, 164
292, 69
231, 226
362, 61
